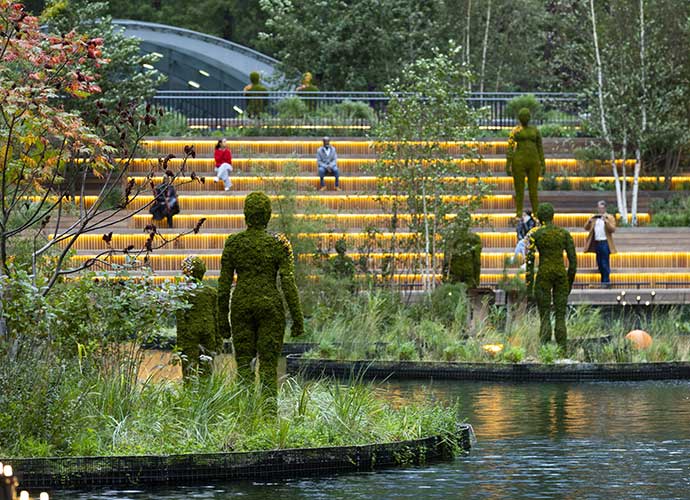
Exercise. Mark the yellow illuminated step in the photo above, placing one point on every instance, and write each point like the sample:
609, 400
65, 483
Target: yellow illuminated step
302, 147
412, 260
345, 222
332, 202
369, 183
346, 166
354, 241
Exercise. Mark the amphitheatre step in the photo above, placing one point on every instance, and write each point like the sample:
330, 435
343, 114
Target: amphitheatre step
627, 239
344, 145
309, 181
170, 260
369, 203
348, 221
349, 166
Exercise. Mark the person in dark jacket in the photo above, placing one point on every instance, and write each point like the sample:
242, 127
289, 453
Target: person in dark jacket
526, 223
165, 204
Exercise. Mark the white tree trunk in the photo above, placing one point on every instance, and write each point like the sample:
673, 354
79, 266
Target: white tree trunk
467, 40
426, 275
602, 110
624, 179
643, 128
485, 46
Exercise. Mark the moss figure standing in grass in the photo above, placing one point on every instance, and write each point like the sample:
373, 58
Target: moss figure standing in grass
341, 266
552, 281
525, 158
256, 105
462, 262
197, 327
257, 315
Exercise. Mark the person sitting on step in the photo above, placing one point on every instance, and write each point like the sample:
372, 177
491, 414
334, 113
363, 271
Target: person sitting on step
327, 163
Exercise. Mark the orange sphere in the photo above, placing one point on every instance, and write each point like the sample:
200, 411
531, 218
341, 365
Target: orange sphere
640, 339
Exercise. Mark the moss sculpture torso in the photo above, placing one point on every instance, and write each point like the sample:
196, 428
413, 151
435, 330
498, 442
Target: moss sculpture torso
525, 158
552, 282
255, 107
256, 312
197, 329
463, 260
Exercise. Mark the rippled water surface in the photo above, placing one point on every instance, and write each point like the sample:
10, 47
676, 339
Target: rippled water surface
586, 440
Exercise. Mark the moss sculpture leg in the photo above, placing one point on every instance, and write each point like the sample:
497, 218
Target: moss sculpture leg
533, 187
244, 342
548, 288
561, 290
519, 184
542, 292
270, 345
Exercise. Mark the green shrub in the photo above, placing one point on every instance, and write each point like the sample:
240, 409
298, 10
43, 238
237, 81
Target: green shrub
407, 351
524, 101
548, 353
549, 183
291, 108
354, 110
172, 124
449, 304
513, 354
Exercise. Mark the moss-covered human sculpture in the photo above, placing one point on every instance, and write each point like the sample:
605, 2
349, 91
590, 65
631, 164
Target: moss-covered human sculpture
197, 327
525, 158
307, 84
256, 90
552, 281
256, 312
462, 261
341, 266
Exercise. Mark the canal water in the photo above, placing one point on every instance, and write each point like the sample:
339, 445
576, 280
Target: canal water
570, 441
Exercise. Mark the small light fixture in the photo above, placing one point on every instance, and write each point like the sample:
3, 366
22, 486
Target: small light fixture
624, 303
492, 349
157, 54
194, 84
24, 495
238, 109
7, 470
638, 298
148, 66
204, 73
623, 293
653, 293
646, 303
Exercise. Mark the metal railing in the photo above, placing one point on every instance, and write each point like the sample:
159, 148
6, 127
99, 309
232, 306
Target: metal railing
347, 110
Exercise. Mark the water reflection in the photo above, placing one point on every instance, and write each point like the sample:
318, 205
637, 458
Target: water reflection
572, 441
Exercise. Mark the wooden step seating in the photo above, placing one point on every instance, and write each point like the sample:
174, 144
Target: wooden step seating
648, 255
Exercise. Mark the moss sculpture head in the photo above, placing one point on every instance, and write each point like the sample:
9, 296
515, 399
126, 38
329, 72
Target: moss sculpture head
194, 267
340, 246
257, 210
545, 213
524, 116
254, 77
306, 79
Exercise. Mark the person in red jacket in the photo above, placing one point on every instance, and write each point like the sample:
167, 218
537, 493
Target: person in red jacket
223, 158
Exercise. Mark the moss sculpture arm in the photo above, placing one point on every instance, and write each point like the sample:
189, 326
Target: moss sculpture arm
540, 150
510, 152
531, 256
289, 287
227, 272
477, 256
572, 258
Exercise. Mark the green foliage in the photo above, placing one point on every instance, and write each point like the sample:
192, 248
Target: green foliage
291, 108
549, 352
513, 354
527, 101
124, 79
172, 124
674, 212
412, 161
449, 304
462, 258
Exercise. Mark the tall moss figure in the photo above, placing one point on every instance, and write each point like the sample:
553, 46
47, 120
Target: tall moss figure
257, 315
256, 90
341, 266
552, 282
197, 327
462, 262
525, 158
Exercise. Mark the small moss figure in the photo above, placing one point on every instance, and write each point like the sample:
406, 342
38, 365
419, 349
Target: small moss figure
462, 262
197, 327
308, 86
256, 90
525, 158
341, 266
552, 282
257, 315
